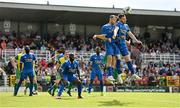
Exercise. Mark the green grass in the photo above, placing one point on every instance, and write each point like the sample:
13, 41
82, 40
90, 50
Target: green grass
109, 100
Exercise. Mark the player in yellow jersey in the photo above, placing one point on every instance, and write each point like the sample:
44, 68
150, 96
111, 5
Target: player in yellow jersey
18, 73
60, 60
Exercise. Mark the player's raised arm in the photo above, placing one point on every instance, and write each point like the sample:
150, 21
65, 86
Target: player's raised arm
130, 34
101, 36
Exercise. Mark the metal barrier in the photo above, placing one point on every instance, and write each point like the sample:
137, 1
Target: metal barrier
163, 57
146, 57
7, 53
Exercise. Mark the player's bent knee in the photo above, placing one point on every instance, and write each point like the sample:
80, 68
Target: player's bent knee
118, 57
64, 82
127, 58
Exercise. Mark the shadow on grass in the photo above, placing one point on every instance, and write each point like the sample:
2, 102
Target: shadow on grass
114, 103
20, 96
65, 98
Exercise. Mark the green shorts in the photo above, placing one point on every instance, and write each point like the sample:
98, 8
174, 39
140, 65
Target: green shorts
58, 77
34, 73
18, 74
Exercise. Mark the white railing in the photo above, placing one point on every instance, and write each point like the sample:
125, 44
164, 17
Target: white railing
146, 57
7, 53
163, 57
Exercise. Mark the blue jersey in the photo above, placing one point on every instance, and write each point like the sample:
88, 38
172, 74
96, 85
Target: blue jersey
123, 29
70, 68
28, 61
97, 62
121, 38
108, 31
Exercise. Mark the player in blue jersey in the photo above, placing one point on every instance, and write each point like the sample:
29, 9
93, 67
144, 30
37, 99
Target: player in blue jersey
27, 70
68, 70
107, 36
96, 67
122, 30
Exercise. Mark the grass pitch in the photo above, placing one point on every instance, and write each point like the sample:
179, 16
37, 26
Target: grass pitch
94, 100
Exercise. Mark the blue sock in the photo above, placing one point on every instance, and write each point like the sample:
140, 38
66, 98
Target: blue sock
79, 89
90, 86
110, 71
101, 86
130, 67
31, 87
61, 88
118, 67
17, 86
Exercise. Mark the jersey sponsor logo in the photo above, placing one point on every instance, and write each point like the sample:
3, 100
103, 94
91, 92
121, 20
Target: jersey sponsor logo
123, 31
28, 60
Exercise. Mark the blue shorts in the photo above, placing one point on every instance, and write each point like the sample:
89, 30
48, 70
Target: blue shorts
112, 49
99, 74
116, 49
123, 48
69, 78
26, 74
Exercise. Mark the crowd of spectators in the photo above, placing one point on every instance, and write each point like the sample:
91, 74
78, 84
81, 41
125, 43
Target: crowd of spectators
153, 74
79, 43
164, 44
35, 41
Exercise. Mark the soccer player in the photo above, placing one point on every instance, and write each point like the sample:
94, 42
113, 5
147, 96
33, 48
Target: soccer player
122, 30
27, 60
107, 35
35, 84
18, 72
60, 60
68, 71
96, 65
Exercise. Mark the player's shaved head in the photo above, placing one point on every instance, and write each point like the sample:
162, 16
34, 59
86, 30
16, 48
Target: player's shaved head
71, 57
98, 50
112, 19
27, 49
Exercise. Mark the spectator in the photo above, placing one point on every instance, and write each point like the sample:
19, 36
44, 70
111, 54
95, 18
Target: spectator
3, 44
11, 66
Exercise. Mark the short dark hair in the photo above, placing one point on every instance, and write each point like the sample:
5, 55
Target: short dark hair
71, 55
121, 15
61, 50
112, 16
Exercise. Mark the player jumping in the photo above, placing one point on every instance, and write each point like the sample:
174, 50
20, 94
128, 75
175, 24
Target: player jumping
107, 35
122, 30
